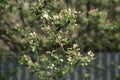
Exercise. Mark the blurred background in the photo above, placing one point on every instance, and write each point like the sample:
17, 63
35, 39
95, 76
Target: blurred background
97, 29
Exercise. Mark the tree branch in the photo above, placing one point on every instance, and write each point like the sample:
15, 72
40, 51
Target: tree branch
21, 14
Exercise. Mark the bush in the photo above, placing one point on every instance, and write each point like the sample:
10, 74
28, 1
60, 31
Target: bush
45, 30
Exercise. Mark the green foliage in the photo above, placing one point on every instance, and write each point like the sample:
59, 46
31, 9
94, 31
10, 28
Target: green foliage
117, 77
55, 64
93, 25
55, 31
45, 32
56, 53
99, 25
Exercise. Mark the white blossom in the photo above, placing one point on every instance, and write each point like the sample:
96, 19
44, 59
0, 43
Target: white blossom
69, 59
45, 15
75, 45
89, 53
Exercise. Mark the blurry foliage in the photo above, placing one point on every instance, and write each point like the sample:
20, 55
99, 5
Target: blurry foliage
117, 77
41, 34
56, 31
96, 26
99, 25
